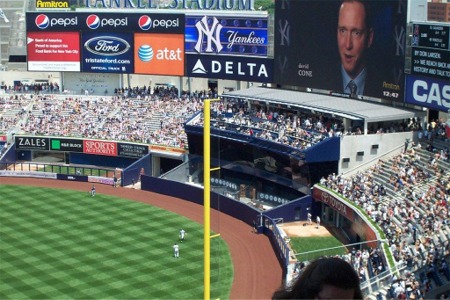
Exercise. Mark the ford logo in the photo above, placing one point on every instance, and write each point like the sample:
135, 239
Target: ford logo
107, 45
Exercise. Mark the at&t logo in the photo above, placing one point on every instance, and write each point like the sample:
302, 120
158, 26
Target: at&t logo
146, 54
43, 21
94, 22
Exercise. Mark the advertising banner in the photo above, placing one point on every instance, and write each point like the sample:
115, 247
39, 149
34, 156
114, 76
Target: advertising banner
31, 143
69, 145
227, 35
100, 147
131, 150
159, 54
352, 48
428, 92
335, 203
230, 67
109, 22
53, 51
72, 177
107, 52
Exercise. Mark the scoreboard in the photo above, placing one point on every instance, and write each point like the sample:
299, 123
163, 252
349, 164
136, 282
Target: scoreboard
431, 50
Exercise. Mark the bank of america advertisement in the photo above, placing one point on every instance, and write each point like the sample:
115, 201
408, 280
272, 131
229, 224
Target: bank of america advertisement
226, 35
350, 48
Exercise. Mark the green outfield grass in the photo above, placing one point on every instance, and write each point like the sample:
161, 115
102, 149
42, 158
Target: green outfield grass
313, 245
57, 243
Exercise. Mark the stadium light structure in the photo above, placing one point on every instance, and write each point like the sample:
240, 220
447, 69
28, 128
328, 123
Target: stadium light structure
3, 16
206, 197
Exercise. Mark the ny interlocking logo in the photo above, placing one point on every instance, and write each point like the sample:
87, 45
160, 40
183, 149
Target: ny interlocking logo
284, 30
212, 34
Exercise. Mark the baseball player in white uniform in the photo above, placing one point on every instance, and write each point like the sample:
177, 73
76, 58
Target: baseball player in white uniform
182, 234
176, 250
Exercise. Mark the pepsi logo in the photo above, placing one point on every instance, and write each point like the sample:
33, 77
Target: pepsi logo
145, 22
93, 21
42, 21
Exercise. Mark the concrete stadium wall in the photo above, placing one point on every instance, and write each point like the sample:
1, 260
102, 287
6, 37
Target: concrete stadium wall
352, 144
236, 209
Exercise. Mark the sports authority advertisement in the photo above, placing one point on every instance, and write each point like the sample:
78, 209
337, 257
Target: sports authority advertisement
159, 54
107, 52
100, 147
230, 67
355, 49
53, 51
227, 35
428, 92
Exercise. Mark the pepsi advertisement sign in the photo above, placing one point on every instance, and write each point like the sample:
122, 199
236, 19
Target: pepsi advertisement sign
116, 22
428, 92
230, 67
226, 35
107, 52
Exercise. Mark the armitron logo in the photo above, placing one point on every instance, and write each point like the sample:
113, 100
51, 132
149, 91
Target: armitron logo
107, 45
51, 4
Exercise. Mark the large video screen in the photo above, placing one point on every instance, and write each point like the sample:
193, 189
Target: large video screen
351, 48
106, 42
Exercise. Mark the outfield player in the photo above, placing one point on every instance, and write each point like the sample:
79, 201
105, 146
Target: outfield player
182, 234
176, 250
93, 191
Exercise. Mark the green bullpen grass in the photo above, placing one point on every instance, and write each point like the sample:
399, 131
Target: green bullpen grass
57, 243
314, 244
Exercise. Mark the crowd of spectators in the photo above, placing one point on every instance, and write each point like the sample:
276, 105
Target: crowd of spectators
411, 205
157, 118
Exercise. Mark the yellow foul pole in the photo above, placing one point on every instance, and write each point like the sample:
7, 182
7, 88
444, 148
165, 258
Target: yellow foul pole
206, 198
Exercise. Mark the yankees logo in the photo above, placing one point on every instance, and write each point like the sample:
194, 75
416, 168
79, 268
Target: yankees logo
212, 35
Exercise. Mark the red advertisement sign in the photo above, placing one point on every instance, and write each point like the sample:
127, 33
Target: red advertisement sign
100, 147
53, 51
334, 203
3, 138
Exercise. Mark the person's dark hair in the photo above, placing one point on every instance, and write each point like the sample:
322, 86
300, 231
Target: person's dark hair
323, 271
367, 8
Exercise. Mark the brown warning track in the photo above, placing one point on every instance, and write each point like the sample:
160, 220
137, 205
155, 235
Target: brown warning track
257, 272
